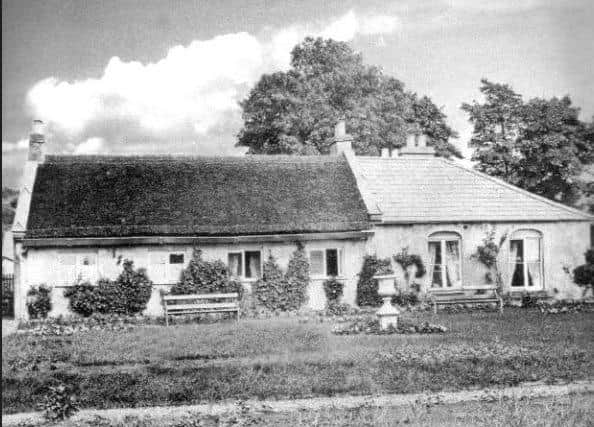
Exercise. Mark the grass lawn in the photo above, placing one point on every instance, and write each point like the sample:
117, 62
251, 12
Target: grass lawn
281, 358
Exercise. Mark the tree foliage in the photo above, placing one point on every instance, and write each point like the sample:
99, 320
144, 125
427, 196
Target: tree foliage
539, 145
583, 275
294, 112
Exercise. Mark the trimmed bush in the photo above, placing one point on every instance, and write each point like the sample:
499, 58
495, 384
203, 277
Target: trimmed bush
39, 301
83, 298
367, 287
128, 294
333, 290
205, 277
270, 290
297, 278
406, 299
584, 274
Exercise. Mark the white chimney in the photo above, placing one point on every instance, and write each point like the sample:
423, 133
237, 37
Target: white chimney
385, 152
36, 142
342, 141
416, 146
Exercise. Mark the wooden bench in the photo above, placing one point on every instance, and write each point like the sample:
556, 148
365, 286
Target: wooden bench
200, 303
461, 296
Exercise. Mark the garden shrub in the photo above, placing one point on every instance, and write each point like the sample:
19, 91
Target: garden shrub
297, 278
83, 298
39, 301
270, 290
333, 290
128, 294
284, 292
406, 299
487, 254
206, 277
367, 287
59, 403
584, 274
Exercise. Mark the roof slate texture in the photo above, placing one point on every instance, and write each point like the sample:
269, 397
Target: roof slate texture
425, 190
110, 196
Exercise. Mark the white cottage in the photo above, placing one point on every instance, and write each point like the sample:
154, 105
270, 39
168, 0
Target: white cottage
77, 215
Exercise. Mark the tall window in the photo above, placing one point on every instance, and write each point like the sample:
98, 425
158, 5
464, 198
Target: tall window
325, 262
245, 264
525, 258
445, 260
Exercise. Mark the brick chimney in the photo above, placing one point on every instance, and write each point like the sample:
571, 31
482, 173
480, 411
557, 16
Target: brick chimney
36, 141
416, 146
342, 141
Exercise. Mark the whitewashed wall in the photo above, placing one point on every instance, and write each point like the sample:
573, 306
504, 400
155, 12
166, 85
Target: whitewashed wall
42, 265
563, 245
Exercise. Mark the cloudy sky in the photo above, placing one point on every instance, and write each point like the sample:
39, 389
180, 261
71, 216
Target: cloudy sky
153, 76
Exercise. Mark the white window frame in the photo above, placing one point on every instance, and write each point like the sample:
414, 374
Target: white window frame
442, 237
339, 261
525, 235
242, 276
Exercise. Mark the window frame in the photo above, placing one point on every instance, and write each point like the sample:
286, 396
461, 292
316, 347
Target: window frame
76, 270
443, 237
524, 235
339, 262
171, 272
243, 260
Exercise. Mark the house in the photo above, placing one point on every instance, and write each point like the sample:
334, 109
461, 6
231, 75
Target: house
77, 216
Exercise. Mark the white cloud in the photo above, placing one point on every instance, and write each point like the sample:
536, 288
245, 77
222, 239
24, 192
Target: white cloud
9, 147
187, 96
93, 145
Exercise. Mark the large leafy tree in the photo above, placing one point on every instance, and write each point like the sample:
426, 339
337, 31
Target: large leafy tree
294, 112
539, 145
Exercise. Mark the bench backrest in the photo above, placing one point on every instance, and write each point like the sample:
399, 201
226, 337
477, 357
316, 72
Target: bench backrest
199, 297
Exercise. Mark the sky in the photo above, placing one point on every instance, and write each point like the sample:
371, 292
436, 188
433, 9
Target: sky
152, 76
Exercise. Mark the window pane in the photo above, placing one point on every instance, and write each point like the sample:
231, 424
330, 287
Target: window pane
331, 262
452, 263
176, 258
234, 263
252, 264
533, 273
316, 263
435, 262
532, 249
517, 262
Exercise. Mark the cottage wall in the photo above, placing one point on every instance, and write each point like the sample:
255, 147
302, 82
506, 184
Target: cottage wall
40, 266
563, 246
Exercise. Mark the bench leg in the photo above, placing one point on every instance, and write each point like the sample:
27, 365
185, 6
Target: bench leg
434, 307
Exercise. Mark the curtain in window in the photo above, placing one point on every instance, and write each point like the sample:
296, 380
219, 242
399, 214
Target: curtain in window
435, 257
316, 263
252, 261
532, 260
452, 263
516, 261
234, 263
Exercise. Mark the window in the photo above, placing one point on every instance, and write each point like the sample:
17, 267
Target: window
165, 267
445, 260
246, 264
75, 266
525, 258
325, 263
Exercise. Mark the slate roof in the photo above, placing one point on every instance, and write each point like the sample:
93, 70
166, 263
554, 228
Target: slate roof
110, 196
424, 190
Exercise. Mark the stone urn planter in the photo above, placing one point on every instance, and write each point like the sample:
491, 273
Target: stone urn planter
387, 313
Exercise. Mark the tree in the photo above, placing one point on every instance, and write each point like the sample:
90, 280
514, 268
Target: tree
540, 145
294, 112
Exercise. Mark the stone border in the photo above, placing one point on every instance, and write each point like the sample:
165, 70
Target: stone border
526, 390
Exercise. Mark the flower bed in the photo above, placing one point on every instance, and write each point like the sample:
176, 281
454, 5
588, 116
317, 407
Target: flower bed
75, 324
370, 325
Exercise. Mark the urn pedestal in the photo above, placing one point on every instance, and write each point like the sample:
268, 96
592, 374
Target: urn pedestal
387, 313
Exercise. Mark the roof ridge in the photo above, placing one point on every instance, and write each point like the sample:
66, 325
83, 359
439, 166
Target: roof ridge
517, 189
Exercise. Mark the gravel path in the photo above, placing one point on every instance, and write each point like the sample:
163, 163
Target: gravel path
527, 390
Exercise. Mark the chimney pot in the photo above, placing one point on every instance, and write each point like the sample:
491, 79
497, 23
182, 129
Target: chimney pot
36, 141
342, 141
385, 152
340, 129
416, 146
